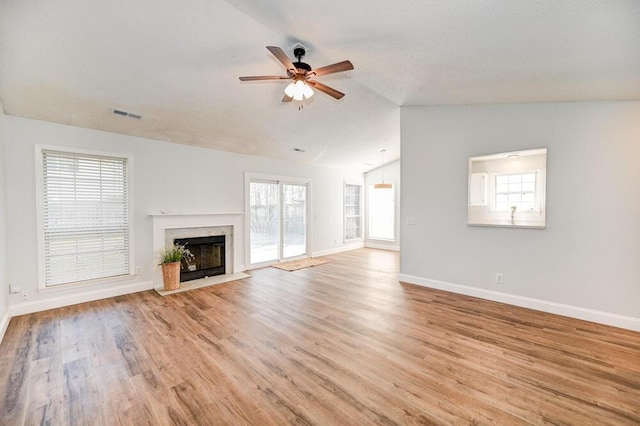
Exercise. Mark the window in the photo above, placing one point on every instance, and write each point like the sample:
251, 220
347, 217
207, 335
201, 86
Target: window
84, 217
517, 190
382, 207
352, 211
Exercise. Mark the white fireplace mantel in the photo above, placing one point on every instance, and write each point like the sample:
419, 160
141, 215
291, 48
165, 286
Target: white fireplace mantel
173, 220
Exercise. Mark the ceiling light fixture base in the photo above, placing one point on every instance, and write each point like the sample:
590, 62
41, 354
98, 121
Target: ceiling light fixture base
299, 52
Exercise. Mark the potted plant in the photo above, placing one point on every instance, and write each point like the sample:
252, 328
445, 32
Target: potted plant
171, 260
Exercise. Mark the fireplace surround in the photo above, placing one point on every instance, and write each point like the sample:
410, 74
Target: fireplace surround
170, 226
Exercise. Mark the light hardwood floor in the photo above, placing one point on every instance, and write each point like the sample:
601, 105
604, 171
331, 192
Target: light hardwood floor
338, 344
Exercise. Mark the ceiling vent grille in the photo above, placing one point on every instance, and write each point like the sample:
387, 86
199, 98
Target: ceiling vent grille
127, 114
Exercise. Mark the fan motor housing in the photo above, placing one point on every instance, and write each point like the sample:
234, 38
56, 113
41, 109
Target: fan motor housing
302, 65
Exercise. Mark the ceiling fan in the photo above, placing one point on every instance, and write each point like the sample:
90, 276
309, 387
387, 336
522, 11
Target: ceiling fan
302, 75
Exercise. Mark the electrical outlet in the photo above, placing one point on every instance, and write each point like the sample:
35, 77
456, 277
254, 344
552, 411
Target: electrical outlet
24, 295
139, 270
14, 289
499, 278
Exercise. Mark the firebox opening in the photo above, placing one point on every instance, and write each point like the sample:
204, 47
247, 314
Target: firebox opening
209, 257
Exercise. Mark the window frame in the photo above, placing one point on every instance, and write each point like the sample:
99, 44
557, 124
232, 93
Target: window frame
39, 171
360, 209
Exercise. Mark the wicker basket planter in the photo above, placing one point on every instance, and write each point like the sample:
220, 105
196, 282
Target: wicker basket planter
171, 275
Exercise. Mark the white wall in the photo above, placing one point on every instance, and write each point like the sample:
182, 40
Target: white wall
328, 211
586, 263
391, 173
4, 283
166, 177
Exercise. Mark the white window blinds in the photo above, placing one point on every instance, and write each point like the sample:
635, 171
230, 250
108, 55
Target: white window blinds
85, 217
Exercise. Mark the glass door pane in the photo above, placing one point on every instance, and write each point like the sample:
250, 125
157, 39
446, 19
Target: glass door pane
264, 222
294, 220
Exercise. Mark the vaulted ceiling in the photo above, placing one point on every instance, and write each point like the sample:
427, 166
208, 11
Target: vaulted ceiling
177, 64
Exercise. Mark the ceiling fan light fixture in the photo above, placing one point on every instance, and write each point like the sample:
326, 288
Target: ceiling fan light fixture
298, 90
307, 91
290, 89
303, 75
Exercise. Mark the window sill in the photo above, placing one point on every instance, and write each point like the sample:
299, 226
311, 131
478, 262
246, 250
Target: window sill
526, 225
83, 284
389, 240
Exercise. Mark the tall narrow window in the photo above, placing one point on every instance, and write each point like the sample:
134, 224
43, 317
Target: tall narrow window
352, 211
85, 217
382, 207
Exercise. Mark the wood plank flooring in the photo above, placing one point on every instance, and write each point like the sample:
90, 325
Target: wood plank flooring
339, 344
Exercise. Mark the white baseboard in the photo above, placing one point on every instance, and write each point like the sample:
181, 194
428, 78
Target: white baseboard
337, 249
73, 299
606, 318
4, 323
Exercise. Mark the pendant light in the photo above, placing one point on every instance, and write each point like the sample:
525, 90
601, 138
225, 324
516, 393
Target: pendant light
382, 185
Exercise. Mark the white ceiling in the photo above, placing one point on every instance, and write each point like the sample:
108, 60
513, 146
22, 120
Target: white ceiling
177, 64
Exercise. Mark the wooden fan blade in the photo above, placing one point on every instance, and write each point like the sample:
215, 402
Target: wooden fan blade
264, 77
287, 98
333, 68
282, 57
326, 89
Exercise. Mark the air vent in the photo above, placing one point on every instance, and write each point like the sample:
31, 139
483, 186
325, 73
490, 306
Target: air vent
127, 114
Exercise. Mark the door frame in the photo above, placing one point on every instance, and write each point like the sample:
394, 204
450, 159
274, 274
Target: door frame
279, 179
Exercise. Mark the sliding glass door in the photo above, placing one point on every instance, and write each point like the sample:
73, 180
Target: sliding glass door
277, 220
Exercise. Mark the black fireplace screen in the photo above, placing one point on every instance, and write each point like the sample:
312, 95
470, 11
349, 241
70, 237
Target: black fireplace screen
208, 257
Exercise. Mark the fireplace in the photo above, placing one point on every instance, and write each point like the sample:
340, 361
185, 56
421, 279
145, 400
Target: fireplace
168, 227
208, 257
